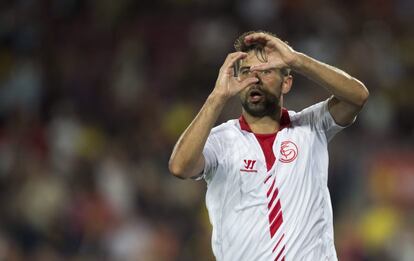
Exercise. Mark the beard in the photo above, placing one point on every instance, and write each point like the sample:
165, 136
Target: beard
259, 103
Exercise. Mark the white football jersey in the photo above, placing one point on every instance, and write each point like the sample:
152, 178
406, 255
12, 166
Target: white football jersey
280, 213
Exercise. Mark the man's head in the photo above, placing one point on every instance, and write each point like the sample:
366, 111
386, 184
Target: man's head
264, 98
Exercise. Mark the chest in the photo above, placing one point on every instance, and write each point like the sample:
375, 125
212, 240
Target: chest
248, 160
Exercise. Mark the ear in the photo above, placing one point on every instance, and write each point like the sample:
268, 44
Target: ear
287, 84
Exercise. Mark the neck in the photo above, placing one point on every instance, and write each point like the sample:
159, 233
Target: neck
263, 125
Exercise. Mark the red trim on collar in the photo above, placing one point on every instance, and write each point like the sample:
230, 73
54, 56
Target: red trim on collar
284, 121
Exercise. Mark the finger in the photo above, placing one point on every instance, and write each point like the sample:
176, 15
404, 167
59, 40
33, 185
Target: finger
233, 57
257, 37
264, 66
267, 40
246, 82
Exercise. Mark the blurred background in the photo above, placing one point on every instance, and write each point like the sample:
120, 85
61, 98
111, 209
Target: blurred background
94, 94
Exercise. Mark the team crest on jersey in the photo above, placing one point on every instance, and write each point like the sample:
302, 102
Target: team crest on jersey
288, 151
249, 166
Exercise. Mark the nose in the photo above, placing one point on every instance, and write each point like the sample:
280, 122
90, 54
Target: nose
256, 74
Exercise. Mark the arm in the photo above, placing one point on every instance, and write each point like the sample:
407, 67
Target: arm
187, 158
349, 94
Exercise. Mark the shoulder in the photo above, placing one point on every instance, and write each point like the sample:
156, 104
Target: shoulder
309, 114
227, 128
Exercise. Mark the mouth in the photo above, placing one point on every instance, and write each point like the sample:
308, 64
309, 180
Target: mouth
255, 95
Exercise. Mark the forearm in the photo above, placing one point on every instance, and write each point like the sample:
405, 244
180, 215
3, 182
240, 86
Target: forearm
343, 86
186, 159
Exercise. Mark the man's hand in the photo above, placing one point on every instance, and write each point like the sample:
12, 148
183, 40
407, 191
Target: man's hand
227, 85
279, 53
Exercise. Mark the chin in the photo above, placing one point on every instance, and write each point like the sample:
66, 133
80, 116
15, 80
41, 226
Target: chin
256, 110
261, 109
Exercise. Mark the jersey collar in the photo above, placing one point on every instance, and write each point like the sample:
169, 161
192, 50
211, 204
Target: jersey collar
284, 121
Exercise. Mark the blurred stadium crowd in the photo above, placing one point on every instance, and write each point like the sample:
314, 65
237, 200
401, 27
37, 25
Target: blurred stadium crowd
94, 94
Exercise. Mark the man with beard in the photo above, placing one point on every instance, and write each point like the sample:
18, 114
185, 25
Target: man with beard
267, 171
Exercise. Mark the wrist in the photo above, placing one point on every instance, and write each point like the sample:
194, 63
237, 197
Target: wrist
297, 61
217, 98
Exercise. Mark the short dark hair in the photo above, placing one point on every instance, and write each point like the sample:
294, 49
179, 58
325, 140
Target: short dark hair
258, 48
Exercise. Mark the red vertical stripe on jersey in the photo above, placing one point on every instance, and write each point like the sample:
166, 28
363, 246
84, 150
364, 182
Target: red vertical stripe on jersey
269, 205
271, 188
278, 242
266, 143
274, 227
280, 253
274, 211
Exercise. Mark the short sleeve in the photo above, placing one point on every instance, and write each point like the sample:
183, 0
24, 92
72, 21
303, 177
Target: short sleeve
320, 119
211, 153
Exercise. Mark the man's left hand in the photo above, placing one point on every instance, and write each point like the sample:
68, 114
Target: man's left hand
279, 53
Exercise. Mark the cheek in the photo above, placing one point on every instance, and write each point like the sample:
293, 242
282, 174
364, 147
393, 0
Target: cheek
274, 86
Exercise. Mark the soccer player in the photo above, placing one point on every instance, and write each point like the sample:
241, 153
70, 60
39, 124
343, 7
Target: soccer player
267, 171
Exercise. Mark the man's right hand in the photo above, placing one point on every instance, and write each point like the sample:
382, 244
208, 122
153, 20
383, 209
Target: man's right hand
187, 159
227, 85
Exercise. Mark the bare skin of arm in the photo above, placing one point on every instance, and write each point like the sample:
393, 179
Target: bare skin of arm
187, 158
349, 94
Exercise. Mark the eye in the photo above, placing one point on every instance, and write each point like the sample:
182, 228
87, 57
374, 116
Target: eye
244, 71
265, 72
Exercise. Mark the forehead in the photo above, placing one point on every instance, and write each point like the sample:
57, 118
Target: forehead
250, 60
